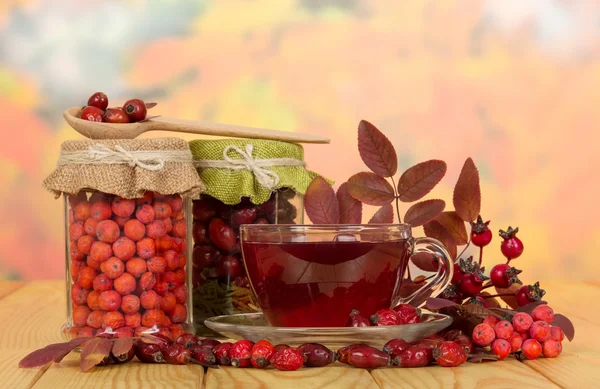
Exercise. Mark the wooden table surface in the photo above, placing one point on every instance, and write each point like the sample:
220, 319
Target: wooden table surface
31, 315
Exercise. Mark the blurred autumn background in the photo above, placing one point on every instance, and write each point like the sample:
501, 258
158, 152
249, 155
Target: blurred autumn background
513, 84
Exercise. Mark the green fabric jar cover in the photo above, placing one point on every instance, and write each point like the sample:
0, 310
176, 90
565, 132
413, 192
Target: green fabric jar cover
254, 168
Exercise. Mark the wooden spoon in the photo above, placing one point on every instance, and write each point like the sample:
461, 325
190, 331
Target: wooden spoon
98, 130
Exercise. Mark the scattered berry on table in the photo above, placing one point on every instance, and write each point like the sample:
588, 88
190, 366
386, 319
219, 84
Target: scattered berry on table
502, 348
414, 356
449, 354
516, 340
395, 346
367, 357
317, 355
551, 348
241, 353
287, 359
262, 351
531, 348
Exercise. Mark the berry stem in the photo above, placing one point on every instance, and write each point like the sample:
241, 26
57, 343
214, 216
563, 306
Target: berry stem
397, 200
480, 255
465, 249
498, 295
487, 286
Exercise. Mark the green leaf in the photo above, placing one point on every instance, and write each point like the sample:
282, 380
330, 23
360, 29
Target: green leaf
424, 212
435, 230
321, 203
350, 208
376, 150
371, 189
94, 352
467, 193
420, 179
383, 215
455, 225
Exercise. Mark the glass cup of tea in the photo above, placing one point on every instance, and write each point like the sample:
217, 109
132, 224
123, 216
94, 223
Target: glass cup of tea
315, 275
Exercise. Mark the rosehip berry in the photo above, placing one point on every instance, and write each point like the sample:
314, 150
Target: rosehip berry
203, 355
281, 346
551, 348
543, 313
540, 331
288, 359
476, 300
511, 247
481, 235
221, 352
528, 294
125, 284
556, 333
449, 354
470, 284
317, 355
262, 351
342, 353
98, 100
92, 114
415, 356
135, 110
450, 335
367, 357
502, 348
432, 341
408, 314
357, 320
149, 353
395, 346
229, 266
222, 235
531, 348
385, 317
115, 115
483, 335
176, 355
491, 321
522, 322
465, 342
241, 353
516, 340
209, 343
503, 330
503, 276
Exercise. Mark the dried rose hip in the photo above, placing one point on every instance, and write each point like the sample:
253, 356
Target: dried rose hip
209, 343
415, 356
288, 359
342, 354
408, 314
317, 355
357, 320
176, 355
279, 347
262, 351
124, 358
465, 342
395, 346
450, 354
222, 235
203, 354
149, 353
241, 353
367, 357
385, 317
221, 352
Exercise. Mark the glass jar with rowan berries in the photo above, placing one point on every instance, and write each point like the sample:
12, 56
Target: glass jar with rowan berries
247, 182
127, 205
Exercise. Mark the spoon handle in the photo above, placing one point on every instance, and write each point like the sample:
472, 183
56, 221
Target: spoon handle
230, 130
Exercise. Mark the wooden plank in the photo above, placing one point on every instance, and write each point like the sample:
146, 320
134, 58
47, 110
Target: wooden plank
32, 316
7, 287
570, 370
132, 375
336, 376
13, 377
505, 374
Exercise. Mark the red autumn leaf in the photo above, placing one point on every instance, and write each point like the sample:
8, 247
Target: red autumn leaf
510, 291
371, 189
424, 261
51, 353
122, 346
423, 212
435, 230
480, 357
320, 202
383, 215
435, 304
94, 352
528, 308
455, 225
567, 326
467, 193
376, 150
350, 208
479, 311
420, 179
150, 105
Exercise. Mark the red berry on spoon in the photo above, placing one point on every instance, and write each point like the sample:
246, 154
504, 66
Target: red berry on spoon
115, 115
135, 109
98, 100
93, 114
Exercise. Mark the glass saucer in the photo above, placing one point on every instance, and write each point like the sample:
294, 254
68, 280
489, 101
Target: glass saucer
254, 327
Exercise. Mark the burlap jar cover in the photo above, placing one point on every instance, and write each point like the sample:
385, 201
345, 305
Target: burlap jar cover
126, 168
237, 168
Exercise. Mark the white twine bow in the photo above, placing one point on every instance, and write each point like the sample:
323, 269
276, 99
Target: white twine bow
259, 167
98, 154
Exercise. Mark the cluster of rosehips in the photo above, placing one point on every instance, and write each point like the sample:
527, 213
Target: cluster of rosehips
468, 279
97, 110
401, 314
532, 335
128, 264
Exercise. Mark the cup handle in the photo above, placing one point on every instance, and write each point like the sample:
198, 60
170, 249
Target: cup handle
440, 281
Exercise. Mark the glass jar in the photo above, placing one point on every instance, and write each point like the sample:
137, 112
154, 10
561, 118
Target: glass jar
220, 283
127, 265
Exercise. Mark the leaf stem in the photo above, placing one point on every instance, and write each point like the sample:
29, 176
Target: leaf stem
397, 200
465, 249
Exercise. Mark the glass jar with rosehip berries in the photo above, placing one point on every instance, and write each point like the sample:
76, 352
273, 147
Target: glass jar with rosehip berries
247, 182
127, 230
